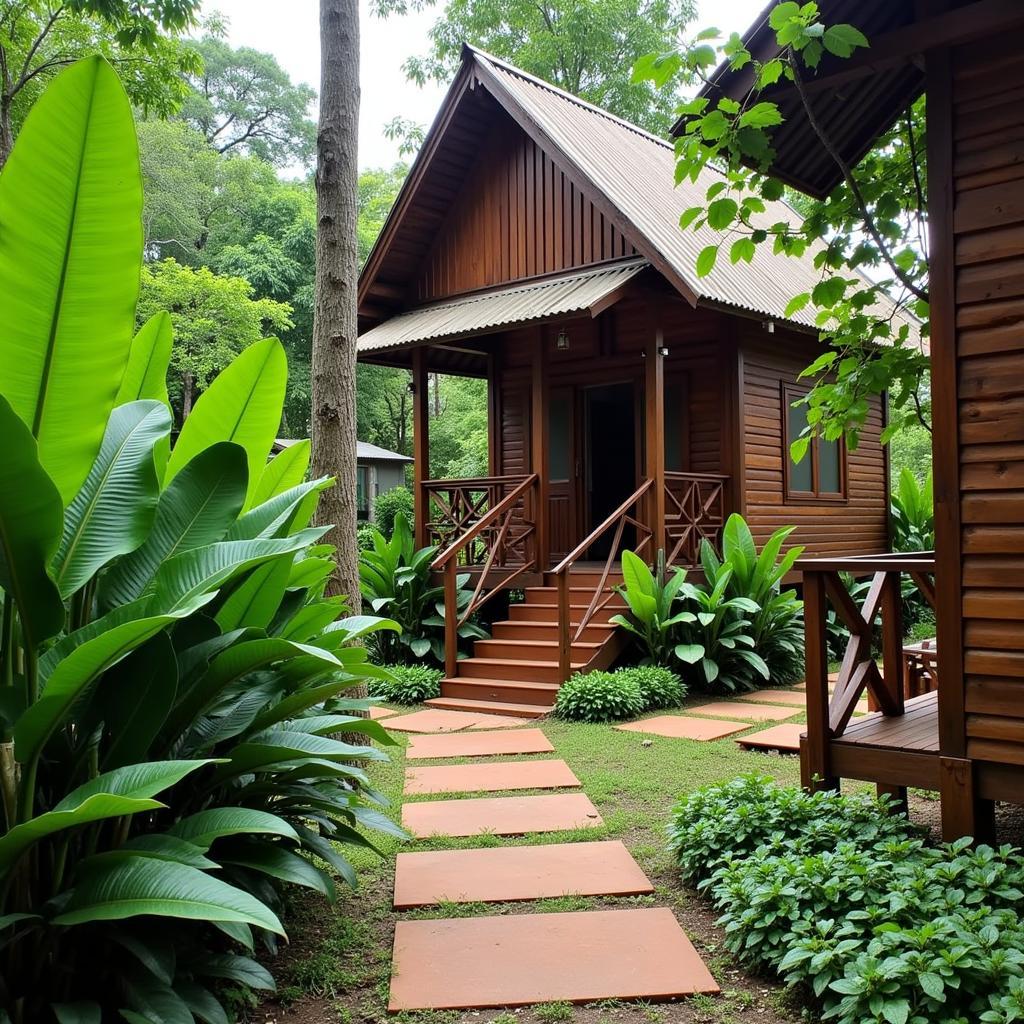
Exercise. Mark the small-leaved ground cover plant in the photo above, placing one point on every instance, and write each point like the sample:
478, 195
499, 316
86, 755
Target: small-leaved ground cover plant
844, 899
408, 684
611, 696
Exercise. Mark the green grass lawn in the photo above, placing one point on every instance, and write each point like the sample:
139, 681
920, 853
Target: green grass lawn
338, 967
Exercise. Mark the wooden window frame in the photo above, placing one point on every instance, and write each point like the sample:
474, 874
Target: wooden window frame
792, 393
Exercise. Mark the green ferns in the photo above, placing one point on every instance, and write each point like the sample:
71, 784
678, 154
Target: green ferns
172, 677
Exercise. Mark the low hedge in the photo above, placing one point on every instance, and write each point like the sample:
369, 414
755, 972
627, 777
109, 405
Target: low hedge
843, 898
409, 684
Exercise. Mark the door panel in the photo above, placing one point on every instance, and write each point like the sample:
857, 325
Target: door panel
610, 444
562, 472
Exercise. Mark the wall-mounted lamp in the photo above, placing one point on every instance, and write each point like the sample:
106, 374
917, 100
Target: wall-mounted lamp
769, 326
562, 341
663, 351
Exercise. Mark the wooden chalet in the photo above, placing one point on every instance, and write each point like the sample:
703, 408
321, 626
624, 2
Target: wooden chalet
967, 739
536, 244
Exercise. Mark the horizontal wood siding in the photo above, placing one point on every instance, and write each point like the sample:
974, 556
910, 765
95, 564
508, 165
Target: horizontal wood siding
988, 225
517, 216
828, 529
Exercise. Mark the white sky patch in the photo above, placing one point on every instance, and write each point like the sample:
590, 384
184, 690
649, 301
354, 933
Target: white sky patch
290, 29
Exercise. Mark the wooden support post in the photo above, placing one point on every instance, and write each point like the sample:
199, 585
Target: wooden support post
964, 813
898, 795
451, 621
815, 760
564, 629
420, 442
539, 448
892, 644
654, 446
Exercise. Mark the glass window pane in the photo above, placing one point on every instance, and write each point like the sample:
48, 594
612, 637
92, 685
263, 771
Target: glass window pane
799, 472
559, 437
674, 413
829, 481
362, 474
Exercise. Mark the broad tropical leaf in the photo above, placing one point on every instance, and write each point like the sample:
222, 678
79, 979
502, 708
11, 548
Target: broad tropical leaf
274, 860
143, 886
243, 404
70, 256
145, 376
113, 512
204, 827
30, 525
285, 470
195, 510
256, 598
279, 512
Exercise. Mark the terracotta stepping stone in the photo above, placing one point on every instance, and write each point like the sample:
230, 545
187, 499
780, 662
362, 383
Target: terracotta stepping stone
797, 698
503, 816
757, 712
784, 738
493, 778
516, 960
379, 712
517, 873
478, 744
438, 720
681, 727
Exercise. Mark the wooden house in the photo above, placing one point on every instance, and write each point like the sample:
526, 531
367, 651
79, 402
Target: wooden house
966, 740
536, 244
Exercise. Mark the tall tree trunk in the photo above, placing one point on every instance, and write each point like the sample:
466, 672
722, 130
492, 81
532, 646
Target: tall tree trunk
337, 271
6, 130
187, 393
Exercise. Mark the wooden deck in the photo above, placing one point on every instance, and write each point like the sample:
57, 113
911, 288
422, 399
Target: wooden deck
894, 750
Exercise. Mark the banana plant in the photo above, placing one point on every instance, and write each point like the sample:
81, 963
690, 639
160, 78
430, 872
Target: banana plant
912, 513
173, 679
654, 615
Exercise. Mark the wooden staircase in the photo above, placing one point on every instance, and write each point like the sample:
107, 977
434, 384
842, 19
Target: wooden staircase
516, 672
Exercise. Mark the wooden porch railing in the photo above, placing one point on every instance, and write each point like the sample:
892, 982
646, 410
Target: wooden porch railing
694, 511
492, 522
625, 515
827, 718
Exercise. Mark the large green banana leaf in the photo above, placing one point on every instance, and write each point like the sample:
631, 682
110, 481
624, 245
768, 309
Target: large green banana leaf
70, 257
196, 509
283, 744
256, 598
113, 512
145, 886
74, 675
145, 376
285, 470
243, 404
276, 515
274, 860
30, 524
204, 827
128, 790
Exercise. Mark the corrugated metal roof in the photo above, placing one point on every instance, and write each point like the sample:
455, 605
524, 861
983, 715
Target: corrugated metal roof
635, 171
520, 303
365, 452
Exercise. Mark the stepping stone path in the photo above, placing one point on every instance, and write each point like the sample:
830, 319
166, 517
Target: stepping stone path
478, 744
434, 720
504, 873
379, 712
796, 698
783, 738
490, 778
755, 712
521, 959
685, 728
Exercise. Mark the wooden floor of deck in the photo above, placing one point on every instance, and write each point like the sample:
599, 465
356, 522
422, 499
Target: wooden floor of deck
897, 750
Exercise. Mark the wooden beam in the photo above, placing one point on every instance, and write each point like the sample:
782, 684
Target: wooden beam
815, 753
963, 812
539, 445
420, 442
654, 432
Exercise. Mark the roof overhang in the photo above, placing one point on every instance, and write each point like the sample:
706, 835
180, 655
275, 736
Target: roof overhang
858, 99
591, 291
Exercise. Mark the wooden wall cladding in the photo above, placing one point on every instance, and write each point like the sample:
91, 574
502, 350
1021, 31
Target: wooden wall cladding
857, 526
518, 216
988, 227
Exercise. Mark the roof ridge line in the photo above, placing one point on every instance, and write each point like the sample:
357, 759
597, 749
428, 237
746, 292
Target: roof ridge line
566, 95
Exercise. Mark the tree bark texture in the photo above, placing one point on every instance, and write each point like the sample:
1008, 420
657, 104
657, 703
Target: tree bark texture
337, 271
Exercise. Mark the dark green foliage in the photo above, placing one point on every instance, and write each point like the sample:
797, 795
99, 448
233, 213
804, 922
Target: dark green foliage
397, 501
364, 537
839, 896
395, 580
599, 697
408, 684
659, 687
912, 513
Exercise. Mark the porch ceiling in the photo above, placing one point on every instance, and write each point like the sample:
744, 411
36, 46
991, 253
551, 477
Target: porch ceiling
502, 307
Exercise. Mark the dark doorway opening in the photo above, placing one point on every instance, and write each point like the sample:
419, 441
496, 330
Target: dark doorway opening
610, 425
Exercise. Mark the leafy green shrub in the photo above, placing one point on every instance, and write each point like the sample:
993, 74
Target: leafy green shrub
659, 687
408, 684
912, 513
173, 674
364, 537
396, 502
651, 597
599, 697
837, 895
395, 578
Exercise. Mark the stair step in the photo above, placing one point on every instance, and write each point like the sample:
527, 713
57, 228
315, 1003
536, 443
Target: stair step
490, 707
542, 612
546, 650
530, 629
505, 668
506, 690
576, 595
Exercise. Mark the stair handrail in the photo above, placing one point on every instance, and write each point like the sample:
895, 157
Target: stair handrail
620, 518
446, 562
